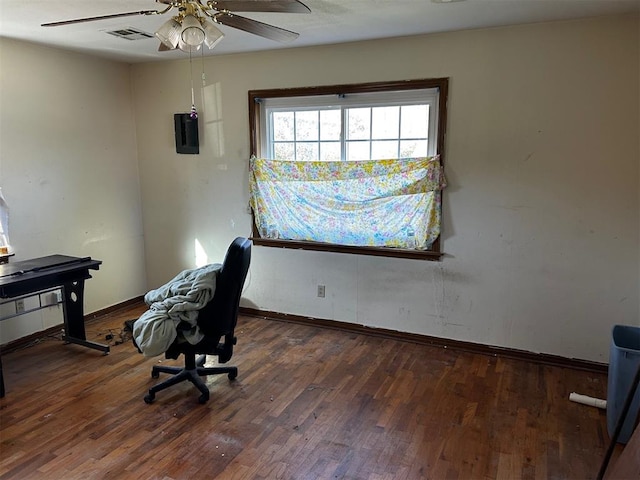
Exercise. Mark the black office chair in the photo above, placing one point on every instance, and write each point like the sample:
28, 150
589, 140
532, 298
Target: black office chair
216, 320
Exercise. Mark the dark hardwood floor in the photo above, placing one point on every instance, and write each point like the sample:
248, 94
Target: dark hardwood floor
308, 403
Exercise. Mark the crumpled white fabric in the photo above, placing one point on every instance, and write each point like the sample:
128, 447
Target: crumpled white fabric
177, 301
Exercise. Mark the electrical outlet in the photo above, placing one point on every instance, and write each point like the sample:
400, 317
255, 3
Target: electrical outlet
20, 305
54, 298
321, 291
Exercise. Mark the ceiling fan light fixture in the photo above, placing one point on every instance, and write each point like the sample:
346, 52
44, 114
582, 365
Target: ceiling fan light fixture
194, 23
186, 48
212, 35
192, 31
169, 33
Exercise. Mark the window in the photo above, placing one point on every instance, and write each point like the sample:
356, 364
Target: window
349, 168
355, 127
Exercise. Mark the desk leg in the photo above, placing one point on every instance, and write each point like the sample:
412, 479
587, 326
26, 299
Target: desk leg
72, 306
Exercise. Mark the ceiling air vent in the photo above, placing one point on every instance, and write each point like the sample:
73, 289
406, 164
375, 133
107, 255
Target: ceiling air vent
130, 34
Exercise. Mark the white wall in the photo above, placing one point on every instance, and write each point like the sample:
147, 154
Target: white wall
541, 218
68, 170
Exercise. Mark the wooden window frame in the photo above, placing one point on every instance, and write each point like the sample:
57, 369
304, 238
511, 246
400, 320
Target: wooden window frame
442, 84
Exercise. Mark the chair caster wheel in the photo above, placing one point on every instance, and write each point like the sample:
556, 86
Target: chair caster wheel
155, 374
232, 375
202, 399
149, 398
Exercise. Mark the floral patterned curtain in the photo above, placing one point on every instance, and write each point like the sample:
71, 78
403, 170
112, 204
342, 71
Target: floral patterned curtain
383, 203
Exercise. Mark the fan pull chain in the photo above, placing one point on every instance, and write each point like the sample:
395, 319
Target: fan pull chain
204, 79
194, 112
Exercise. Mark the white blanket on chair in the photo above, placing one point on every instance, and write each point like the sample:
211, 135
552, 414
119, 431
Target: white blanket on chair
177, 301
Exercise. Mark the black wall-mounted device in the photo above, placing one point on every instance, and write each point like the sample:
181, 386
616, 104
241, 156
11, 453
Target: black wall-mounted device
186, 133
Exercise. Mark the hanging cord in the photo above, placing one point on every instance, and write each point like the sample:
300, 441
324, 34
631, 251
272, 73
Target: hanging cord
204, 82
194, 112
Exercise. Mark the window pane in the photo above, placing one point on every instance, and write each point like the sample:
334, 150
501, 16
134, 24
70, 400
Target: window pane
330, 121
358, 123
330, 151
357, 150
307, 125
283, 151
413, 148
307, 151
415, 121
385, 122
282, 126
384, 149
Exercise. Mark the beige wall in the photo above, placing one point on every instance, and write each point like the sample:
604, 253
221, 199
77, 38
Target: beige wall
541, 216
541, 222
68, 170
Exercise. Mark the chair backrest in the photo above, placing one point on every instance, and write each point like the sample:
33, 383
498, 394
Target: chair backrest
220, 315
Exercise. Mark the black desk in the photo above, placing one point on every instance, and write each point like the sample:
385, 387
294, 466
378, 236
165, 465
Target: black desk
69, 273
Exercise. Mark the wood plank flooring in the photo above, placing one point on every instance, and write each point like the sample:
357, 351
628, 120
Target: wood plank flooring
308, 403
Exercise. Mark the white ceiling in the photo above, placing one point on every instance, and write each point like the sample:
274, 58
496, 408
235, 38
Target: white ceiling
330, 22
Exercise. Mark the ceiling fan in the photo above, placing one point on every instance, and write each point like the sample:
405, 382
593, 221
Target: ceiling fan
193, 22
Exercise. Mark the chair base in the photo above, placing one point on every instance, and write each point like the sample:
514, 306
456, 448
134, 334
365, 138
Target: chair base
181, 374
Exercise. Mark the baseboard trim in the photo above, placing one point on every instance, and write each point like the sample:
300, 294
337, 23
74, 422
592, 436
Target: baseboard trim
133, 302
22, 342
539, 358
532, 357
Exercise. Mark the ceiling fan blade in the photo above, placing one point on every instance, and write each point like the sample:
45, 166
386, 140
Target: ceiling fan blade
101, 17
278, 6
257, 28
